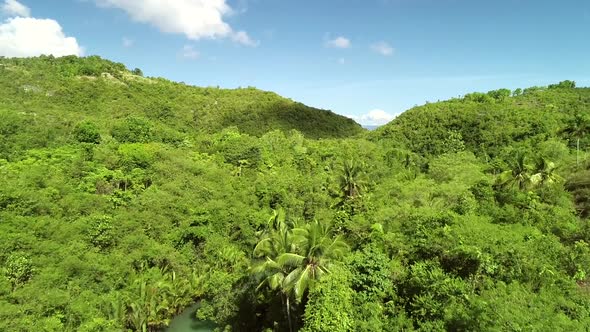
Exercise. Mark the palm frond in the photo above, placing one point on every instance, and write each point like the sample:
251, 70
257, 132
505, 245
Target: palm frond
290, 259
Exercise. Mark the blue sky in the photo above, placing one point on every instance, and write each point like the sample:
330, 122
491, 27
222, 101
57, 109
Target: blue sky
350, 56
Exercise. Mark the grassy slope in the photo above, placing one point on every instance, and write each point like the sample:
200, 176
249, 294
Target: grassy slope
64, 91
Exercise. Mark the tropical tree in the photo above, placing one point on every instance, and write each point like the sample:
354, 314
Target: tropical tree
577, 128
275, 243
518, 175
352, 182
317, 250
158, 295
545, 173
293, 258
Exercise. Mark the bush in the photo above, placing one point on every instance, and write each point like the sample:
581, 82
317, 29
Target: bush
87, 132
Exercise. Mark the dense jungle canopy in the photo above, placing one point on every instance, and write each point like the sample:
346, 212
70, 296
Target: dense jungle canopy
125, 199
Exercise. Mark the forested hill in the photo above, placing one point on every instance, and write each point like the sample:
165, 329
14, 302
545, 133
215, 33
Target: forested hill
125, 200
495, 122
60, 92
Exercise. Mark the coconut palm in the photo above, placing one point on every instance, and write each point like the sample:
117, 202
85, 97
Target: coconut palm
351, 179
276, 242
577, 128
317, 250
546, 173
519, 174
293, 258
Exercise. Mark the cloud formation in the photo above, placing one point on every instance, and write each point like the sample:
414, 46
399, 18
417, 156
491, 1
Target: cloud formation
383, 48
376, 117
339, 42
196, 19
26, 37
241, 37
12, 8
189, 52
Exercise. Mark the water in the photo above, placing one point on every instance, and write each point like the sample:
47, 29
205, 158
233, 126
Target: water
188, 322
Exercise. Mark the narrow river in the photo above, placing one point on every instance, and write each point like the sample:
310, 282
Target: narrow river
188, 322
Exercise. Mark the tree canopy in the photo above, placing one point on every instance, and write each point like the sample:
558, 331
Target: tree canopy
126, 199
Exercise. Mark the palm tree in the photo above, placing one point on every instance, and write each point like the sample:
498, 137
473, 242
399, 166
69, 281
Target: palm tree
577, 128
545, 173
317, 250
137, 315
518, 175
295, 257
277, 242
157, 296
352, 179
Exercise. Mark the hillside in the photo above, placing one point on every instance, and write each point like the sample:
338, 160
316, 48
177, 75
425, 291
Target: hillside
61, 92
489, 123
125, 200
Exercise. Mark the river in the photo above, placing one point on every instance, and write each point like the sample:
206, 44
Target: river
188, 322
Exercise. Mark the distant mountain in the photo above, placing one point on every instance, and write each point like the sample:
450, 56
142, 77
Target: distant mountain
371, 127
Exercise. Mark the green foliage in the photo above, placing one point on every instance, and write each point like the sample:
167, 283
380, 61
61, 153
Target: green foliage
488, 123
61, 91
133, 130
579, 185
330, 307
101, 232
567, 84
87, 132
124, 200
19, 269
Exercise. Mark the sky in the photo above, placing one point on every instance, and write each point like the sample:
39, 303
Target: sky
366, 59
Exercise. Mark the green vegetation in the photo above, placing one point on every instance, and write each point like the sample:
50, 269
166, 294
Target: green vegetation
125, 200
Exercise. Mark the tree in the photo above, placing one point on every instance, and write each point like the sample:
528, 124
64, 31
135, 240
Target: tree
545, 173
293, 258
137, 72
316, 252
273, 274
351, 179
577, 128
500, 94
518, 175
87, 132
567, 84
19, 269
330, 307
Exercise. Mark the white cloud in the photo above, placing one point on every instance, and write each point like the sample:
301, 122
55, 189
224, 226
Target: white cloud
127, 42
242, 37
339, 42
383, 48
25, 37
196, 19
189, 52
12, 8
376, 117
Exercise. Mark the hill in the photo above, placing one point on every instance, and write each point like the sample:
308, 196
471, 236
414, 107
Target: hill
119, 208
62, 92
489, 123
